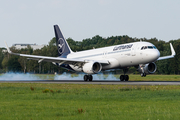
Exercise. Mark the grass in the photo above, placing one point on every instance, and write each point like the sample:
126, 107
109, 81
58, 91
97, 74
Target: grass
68, 101
155, 78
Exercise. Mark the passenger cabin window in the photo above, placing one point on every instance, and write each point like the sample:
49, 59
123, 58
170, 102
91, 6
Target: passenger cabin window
148, 47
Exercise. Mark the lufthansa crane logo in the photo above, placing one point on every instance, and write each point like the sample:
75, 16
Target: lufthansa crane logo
61, 46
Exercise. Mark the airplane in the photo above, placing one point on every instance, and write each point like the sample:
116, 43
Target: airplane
141, 55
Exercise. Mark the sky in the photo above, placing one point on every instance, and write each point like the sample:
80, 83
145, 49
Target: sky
31, 21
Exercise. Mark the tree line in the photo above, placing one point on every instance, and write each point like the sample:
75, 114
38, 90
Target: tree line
21, 64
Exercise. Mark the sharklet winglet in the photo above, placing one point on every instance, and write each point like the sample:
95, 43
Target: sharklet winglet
9, 51
172, 50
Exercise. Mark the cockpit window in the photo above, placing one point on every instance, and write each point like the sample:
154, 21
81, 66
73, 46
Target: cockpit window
154, 47
148, 47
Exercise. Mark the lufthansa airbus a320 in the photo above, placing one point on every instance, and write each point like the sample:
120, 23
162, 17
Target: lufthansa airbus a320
141, 55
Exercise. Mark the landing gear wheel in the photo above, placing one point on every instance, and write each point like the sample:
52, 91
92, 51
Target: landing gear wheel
90, 77
126, 77
122, 78
86, 77
143, 74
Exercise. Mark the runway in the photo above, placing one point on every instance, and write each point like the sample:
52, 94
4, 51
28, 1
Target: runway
99, 82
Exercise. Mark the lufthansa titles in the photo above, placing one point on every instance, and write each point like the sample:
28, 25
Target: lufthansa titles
122, 47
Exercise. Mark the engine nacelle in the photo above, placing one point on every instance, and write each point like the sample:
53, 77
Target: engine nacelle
92, 67
149, 68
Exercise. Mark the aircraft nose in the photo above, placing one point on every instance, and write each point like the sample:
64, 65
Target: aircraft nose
155, 55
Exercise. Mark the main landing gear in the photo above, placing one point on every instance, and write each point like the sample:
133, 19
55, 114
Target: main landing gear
124, 77
88, 77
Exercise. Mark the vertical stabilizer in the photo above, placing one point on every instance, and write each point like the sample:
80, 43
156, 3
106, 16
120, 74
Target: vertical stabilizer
62, 45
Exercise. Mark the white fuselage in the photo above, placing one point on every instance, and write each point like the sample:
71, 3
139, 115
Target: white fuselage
119, 56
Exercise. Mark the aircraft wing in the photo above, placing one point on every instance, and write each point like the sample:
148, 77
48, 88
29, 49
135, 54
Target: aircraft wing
58, 60
170, 56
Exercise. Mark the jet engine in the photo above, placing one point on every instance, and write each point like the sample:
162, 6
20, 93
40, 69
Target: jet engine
92, 67
149, 68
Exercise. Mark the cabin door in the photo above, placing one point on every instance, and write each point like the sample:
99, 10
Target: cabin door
133, 50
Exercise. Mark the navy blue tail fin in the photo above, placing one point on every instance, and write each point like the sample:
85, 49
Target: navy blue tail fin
62, 45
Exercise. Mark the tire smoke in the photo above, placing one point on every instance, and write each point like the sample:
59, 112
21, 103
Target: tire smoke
66, 76
11, 76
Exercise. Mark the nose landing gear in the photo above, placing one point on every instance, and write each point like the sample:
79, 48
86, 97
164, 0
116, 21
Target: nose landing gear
143, 74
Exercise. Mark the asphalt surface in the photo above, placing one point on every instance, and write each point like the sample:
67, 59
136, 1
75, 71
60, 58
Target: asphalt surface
96, 82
